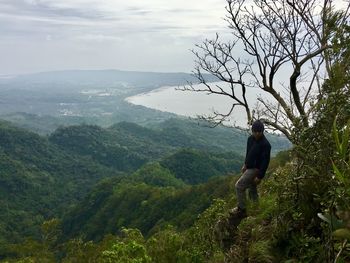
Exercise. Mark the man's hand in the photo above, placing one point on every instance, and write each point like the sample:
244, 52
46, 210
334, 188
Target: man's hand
257, 180
244, 168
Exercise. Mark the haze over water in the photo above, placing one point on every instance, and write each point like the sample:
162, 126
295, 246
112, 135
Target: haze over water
192, 104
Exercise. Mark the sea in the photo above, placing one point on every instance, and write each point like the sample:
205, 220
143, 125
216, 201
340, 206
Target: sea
194, 104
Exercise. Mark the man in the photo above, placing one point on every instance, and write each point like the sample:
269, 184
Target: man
255, 165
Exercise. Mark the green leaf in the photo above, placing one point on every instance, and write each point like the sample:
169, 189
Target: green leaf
336, 136
342, 233
325, 218
342, 146
345, 140
331, 220
339, 175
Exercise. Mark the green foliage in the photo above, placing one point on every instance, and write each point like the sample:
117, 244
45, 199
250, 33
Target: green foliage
157, 175
126, 253
166, 246
128, 199
140, 172
342, 234
77, 251
260, 251
50, 174
30, 251
130, 249
255, 240
201, 241
316, 180
199, 135
38, 181
193, 167
51, 231
341, 169
99, 144
136, 204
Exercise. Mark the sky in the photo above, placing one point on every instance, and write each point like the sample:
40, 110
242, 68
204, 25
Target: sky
142, 35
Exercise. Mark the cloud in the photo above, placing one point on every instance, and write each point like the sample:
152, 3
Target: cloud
65, 33
98, 37
44, 10
84, 12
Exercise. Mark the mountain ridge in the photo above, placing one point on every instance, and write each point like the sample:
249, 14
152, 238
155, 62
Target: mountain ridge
49, 175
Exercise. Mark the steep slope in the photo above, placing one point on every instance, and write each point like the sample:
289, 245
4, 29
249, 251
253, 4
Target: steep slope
178, 223
221, 139
99, 144
125, 146
38, 180
153, 196
193, 166
45, 177
42, 176
116, 203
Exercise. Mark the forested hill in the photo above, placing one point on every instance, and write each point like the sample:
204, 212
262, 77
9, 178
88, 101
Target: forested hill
158, 139
38, 180
42, 176
147, 178
220, 138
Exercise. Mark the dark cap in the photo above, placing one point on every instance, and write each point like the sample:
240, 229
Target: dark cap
257, 126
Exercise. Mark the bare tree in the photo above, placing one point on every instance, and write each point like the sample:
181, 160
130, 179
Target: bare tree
272, 40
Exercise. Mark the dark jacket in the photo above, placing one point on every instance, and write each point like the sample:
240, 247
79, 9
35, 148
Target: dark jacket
258, 155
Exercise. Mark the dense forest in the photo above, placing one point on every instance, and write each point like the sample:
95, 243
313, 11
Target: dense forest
158, 214
90, 182
133, 194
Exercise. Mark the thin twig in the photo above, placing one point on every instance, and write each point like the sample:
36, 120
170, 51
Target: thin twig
341, 250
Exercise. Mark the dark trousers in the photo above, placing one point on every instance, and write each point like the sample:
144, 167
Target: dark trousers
246, 181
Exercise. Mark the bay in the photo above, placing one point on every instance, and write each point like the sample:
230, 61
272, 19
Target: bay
194, 104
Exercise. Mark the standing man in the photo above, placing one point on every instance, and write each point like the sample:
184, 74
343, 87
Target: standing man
253, 171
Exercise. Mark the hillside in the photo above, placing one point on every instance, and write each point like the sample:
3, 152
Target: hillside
38, 180
42, 176
153, 211
93, 181
172, 208
139, 203
221, 138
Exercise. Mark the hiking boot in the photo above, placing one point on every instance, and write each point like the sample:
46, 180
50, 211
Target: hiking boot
238, 212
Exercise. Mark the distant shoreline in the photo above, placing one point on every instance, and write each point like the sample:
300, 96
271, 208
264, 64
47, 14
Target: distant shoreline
187, 103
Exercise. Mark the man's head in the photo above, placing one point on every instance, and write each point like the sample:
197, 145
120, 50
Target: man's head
257, 129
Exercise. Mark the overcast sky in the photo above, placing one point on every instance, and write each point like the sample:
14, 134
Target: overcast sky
145, 35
